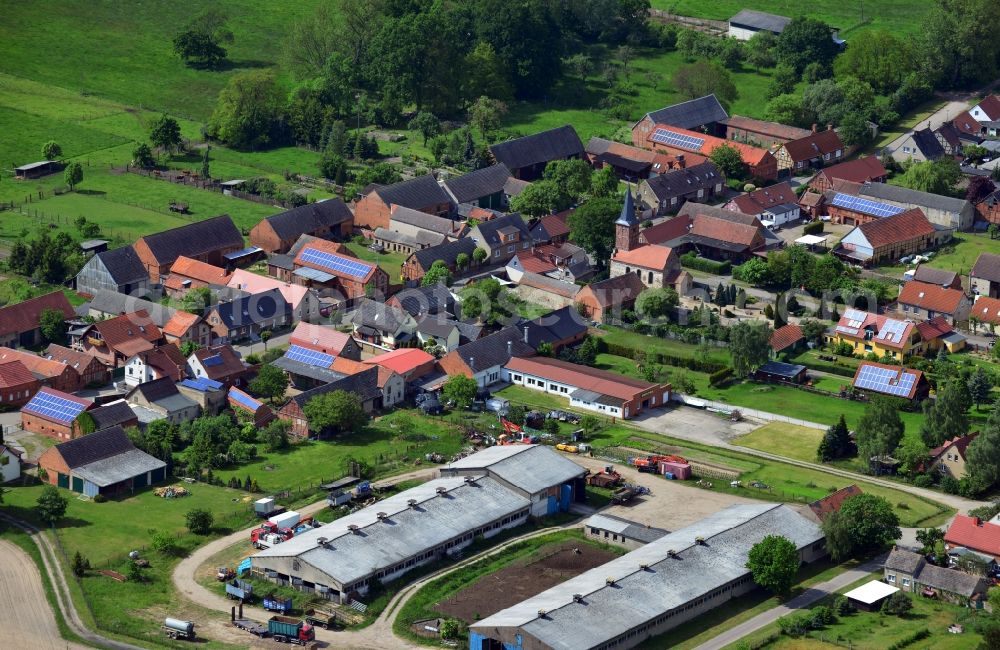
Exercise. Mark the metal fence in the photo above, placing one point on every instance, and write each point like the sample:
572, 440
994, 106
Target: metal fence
697, 402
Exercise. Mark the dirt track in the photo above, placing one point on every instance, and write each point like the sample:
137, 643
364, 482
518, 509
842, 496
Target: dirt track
25, 616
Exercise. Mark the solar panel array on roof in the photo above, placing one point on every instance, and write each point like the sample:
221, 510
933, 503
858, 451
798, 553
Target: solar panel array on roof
310, 357
202, 384
243, 399
883, 380
855, 317
865, 206
214, 360
892, 330
853, 331
345, 265
679, 140
54, 407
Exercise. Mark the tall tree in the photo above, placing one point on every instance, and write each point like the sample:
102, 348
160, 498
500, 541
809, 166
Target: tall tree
51, 150
592, 226
879, 430
880, 58
729, 160
427, 124
271, 382
656, 302
980, 384
869, 521
249, 111
165, 133
749, 345
804, 41
948, 416
959, 41
836, 442
525, 36
51, 505
337, 410
52, 324
936, 177
460, 389
437, 274
572, 176
486, 115
604, 183
73, 175
705, 78
774, 563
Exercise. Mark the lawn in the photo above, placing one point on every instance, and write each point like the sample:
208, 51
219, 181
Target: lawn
391, 263
895, 15
960, 255
876, 631
650, 344
788, 440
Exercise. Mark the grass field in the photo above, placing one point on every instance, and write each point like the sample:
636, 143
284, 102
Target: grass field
784, 439
877, 631
960, 255
895, 15
391, 263
617, 336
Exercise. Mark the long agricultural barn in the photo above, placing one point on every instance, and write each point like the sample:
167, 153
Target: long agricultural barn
342, 559
649, 591
549, 480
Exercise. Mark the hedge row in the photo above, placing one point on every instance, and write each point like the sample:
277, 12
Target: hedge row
665, 359
692, 261
720, 377
919, 635
813, 228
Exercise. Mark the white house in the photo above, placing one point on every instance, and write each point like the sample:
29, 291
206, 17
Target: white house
165, 361
987, 110
10, 464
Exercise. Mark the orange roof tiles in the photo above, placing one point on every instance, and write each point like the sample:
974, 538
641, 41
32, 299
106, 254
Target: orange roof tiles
751, 155
901, 227
180, 323
14, 374
724, 230
532, 262
831, 503
402, 360
986, 310
785, 337
129, 333
973, 533
197, 270
320, 338
39, 366
585, 377
930, 297
650, 256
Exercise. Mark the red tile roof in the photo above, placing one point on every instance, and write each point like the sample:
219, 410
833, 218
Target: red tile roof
901, 227
877, 323
13, 374
319, 338
403, 360
337, 251
774, 130
975, 534
930, 297
991, 106
727, 231
585, 377
556, 225
231, 364
813, 145
180, 323
785, 337
831, 503
934, 328
167, 359
615, 291
958, 445
651, 256
666, 230
967, 124
532, 262
129, 333
986, 309
859, 170
767, 197
751, 155
39, 366
197, 270
23, 316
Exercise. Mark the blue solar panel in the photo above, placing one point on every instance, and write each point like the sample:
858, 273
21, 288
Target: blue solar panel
898, 382
311, 357
336, 263
202, 384
243, 399
865, 206
678, 140
54, 407
214, 360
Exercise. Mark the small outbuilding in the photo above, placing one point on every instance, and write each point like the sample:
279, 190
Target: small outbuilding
36, 169
869, 597
781, 372
105, 462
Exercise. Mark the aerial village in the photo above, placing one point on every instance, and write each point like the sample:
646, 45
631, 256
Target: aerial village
587, 327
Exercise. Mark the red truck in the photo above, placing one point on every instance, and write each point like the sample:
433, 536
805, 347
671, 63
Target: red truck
267, 528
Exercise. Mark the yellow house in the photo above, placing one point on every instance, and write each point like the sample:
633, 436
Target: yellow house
949, 458
866, 332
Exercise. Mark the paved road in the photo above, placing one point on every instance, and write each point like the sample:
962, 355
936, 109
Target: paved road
65, 603
942, 115
805, 599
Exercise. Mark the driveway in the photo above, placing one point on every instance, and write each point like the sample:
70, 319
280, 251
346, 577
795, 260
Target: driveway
945, 114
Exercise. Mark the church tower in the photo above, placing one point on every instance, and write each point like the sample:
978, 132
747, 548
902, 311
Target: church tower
627, 226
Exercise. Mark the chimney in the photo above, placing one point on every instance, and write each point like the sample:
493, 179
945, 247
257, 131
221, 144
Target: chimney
441, 490
353, 528
381, 516
469, 479
412, 503
577, 598
320, 541
814, 127
829, 127
609, 581
525, 333
700, 541
671, 553
541, 613
472, 363
643, 567
510, 348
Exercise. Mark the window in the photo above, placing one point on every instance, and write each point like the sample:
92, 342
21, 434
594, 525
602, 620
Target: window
510, 249
906, 582
891, 578
673, 201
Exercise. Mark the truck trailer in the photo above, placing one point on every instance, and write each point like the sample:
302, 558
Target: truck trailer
178, 629
239, 590
321, 618
274, 603
286, 629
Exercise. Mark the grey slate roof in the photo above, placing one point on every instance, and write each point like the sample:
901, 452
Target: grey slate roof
640, 595
255, 308
555, 144
905, 195
903, 560
928, 144
557, 325
678, 182
378, 315
422, 220
116, 304
364, 384
112, 414
629, 529
433, 299
691, 114
532, 468
951, 580
932, 275
124, 265
492, 350
94, 446
416, 193
122, 467
446, 252
407, 531
760, 20
194, 239
309, 218
302, 369
987, 267
478, 184
489, 231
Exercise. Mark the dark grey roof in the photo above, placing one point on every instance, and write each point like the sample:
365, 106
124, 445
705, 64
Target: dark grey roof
781, 369
418, 219
555, 144
286, 262
629, 529
124, 265
378, 316
905, 195
112, 414
417, 193
557, 325
439, 328
194, 239
446, 252
760, 20
489, 231
928, 144
364, 384
116, 304
951, 580
627, 215
156, 390
903, 560
493, 350
931, 275
95, 446
678, 182
478, 184
987, 267
307, 370
309, 218
252, 309
433, 299
691, 114
469, 331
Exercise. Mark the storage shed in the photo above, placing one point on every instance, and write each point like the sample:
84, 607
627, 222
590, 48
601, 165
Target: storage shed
783, 372
105, 462
870, 596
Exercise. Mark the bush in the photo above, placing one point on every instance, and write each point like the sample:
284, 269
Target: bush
794, 625
812, 228
100, 498
692, 261
720, 377
919, 635
898, 604
821, 617
923, 481
950, 485
842, 606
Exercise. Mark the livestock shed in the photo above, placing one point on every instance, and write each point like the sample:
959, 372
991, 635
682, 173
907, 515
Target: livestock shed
549, 480
344, 559
105, 462
651, 590
615, 530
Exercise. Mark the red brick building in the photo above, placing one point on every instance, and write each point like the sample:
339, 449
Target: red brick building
19, 323
421, 193
672, 140
329, 219
606, 298
187, 274
57, 414
859, 170
17, 384
51, 373
116, 340
205, 241
319, 264
88, 367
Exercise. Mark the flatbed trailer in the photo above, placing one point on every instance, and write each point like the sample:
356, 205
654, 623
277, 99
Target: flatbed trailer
251, 626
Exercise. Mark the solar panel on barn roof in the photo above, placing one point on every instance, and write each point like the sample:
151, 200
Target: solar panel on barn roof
54, 407
310, 357
679, 140
354, 268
